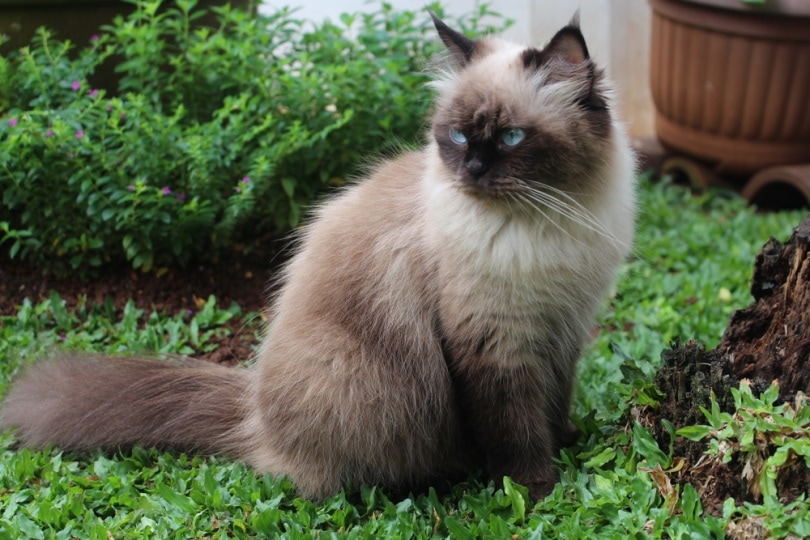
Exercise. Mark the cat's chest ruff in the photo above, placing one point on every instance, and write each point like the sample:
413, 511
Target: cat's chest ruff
494, 242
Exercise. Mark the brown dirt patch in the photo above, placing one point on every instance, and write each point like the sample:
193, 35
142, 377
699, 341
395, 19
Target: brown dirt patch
242, 277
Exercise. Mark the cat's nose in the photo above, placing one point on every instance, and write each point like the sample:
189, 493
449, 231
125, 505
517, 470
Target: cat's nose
475, 167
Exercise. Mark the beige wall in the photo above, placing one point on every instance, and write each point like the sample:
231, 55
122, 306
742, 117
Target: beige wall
617, 32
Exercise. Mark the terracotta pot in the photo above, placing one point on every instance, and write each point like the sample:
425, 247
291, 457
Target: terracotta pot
782, 7
732, 87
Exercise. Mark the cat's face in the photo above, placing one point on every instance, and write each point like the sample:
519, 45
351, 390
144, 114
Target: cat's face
511, 119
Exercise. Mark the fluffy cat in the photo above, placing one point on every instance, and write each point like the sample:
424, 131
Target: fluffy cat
431, 320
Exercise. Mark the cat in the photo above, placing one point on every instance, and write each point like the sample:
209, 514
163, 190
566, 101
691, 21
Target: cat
431, 319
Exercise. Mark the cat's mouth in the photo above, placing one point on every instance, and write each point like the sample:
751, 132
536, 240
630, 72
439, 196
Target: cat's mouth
491, 187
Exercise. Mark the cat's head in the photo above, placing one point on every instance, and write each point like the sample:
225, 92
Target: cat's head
510, 118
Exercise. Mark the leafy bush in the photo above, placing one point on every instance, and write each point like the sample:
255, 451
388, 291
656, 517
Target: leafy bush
215, 134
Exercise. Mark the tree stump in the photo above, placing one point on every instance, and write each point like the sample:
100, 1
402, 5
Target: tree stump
770, 340
767, 341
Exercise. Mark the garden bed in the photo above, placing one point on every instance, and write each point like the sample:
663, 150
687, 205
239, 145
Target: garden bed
241, 278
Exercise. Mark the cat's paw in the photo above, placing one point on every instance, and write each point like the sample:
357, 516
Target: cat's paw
540, 489
566, 436
540, 484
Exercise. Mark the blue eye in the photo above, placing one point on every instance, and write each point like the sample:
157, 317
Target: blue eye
513, 136
457, 136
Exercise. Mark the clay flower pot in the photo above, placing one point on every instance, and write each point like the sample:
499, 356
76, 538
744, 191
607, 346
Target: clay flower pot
731, 82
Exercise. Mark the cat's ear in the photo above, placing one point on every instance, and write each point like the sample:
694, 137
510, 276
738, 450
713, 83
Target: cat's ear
567, 45
566, 57
459, 45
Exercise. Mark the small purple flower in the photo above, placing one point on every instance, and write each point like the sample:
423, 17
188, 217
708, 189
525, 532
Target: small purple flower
181, 196
94, 37
76, 85
246, 180
79, 134
109, 107
131, 187
49, 133
94, 92
166, 190
12, 122
123, 116
237, 190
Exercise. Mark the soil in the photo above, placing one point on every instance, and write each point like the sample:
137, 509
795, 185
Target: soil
765, 342
243, 277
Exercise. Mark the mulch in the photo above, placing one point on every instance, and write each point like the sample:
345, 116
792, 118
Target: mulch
241, 277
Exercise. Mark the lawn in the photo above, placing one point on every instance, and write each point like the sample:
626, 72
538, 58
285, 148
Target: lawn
689, 271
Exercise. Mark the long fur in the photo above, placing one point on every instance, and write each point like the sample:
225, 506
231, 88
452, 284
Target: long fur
89, 402
431, 320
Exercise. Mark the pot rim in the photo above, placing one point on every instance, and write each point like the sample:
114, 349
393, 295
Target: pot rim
765, 25
779, 7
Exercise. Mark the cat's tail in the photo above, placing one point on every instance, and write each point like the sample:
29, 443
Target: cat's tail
94, 402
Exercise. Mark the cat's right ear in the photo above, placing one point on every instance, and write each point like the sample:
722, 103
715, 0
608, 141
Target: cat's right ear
459, 45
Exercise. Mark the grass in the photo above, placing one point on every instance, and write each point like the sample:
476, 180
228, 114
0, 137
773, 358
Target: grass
690, 271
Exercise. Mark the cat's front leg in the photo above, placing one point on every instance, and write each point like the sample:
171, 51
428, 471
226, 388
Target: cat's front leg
504, 411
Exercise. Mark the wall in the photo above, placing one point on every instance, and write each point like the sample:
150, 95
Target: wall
617, 32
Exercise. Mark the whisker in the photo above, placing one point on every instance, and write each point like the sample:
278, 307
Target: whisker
569, 212
577, 214
522, 198
560, 206
566, 206
572, 203
568, 196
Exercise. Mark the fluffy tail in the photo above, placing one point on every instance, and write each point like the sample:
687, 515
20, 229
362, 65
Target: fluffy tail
84, 403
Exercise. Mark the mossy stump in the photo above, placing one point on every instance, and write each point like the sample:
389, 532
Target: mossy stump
765, 342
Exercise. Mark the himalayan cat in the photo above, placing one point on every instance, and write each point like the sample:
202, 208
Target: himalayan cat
429, 324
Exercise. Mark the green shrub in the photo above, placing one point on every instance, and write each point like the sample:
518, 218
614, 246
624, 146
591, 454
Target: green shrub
215, 135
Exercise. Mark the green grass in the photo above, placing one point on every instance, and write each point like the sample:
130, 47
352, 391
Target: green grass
691, 269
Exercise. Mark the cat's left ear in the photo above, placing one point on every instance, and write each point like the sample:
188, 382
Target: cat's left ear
566, 57
568, 44
459, 45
